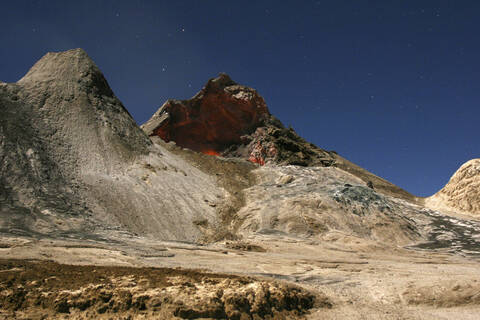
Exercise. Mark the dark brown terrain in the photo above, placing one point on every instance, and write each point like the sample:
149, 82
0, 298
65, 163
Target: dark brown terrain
35, 289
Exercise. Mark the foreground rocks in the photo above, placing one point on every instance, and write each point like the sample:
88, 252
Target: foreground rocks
50, 290
348, 276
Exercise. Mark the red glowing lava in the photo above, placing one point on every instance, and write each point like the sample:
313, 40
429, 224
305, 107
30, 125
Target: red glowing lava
211, 152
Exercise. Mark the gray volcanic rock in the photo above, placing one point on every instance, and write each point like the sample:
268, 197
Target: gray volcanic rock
312, 201
462, 192
73, 160
83, 117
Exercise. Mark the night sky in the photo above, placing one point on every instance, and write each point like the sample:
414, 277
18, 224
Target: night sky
393, 86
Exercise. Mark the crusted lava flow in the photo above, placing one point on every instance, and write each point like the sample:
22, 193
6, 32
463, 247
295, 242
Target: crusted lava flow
214, 119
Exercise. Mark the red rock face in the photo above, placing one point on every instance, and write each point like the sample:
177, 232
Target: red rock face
214, 119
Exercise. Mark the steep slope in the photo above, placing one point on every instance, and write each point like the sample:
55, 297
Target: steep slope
74, 160
462, 192
319, 201
32, 184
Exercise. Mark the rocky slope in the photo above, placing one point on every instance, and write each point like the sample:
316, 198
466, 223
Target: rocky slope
462, 192
73, 160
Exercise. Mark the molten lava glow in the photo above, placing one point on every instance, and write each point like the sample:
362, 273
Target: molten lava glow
211, 152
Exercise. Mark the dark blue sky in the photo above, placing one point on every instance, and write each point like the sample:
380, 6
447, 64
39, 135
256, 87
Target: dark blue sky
393, 86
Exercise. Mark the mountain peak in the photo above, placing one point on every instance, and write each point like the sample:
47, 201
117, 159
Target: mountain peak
70, 94
65, 68
223, 80
64, 64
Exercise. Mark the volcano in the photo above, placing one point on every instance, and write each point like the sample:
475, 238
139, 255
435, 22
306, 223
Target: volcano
214, 183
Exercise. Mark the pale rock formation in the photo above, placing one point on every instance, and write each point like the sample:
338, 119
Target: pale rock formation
73, 160
462, 192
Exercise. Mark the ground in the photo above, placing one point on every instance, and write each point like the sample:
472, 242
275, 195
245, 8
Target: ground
336, 277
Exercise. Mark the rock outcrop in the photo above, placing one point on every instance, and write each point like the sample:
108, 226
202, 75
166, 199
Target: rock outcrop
462, 192
316, 201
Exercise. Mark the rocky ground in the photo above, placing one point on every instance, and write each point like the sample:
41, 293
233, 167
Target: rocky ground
336, 276
34, 289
